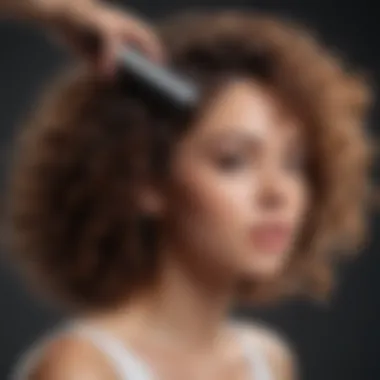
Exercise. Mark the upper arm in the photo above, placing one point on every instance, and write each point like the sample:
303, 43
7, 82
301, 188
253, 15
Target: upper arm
69, 359
277, 351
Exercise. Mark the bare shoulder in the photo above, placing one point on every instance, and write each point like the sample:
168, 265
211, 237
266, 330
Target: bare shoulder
275, 347
69, 358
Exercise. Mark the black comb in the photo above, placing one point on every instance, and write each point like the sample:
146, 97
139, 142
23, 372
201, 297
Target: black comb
157, 83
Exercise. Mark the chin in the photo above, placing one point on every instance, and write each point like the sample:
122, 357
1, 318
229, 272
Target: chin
261, 274
264, 268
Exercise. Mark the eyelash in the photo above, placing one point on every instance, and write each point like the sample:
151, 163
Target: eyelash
232, 162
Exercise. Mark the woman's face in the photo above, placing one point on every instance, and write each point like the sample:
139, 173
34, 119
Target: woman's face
239, 194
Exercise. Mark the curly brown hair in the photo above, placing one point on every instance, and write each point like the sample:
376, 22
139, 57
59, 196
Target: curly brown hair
74, 222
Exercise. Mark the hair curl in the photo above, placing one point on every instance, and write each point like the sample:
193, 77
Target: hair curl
74, 223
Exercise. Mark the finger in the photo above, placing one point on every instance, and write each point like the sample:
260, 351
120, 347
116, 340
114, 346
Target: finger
107, 57
145, 39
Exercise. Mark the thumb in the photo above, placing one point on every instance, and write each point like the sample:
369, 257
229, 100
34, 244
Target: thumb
106, 61
145, 40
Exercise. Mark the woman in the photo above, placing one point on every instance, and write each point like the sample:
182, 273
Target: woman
150, 226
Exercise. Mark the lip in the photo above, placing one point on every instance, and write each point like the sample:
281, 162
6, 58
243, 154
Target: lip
271, 237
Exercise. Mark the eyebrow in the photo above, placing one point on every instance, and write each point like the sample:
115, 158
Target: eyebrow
241, 136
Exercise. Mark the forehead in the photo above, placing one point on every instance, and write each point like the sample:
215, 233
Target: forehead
243, 106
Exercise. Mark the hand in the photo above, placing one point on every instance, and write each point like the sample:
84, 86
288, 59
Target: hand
80, 23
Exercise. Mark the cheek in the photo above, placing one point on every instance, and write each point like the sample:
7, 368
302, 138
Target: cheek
299, 199
209, 210
214, 198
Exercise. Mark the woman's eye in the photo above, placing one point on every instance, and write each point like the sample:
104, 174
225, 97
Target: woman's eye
230, 162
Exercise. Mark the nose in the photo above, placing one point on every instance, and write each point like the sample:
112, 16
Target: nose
272, 192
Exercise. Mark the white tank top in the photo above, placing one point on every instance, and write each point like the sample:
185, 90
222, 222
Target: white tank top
125, 363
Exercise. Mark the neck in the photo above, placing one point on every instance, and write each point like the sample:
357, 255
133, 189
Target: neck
183, 306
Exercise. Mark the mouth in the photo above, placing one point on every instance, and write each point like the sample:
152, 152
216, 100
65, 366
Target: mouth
271, 237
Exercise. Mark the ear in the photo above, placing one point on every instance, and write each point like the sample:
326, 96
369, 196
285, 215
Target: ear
150, 201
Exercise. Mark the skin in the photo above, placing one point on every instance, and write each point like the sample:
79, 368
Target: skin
241, 165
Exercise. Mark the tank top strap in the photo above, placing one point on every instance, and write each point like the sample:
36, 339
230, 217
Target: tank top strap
125, 362
29, 358
257, 359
